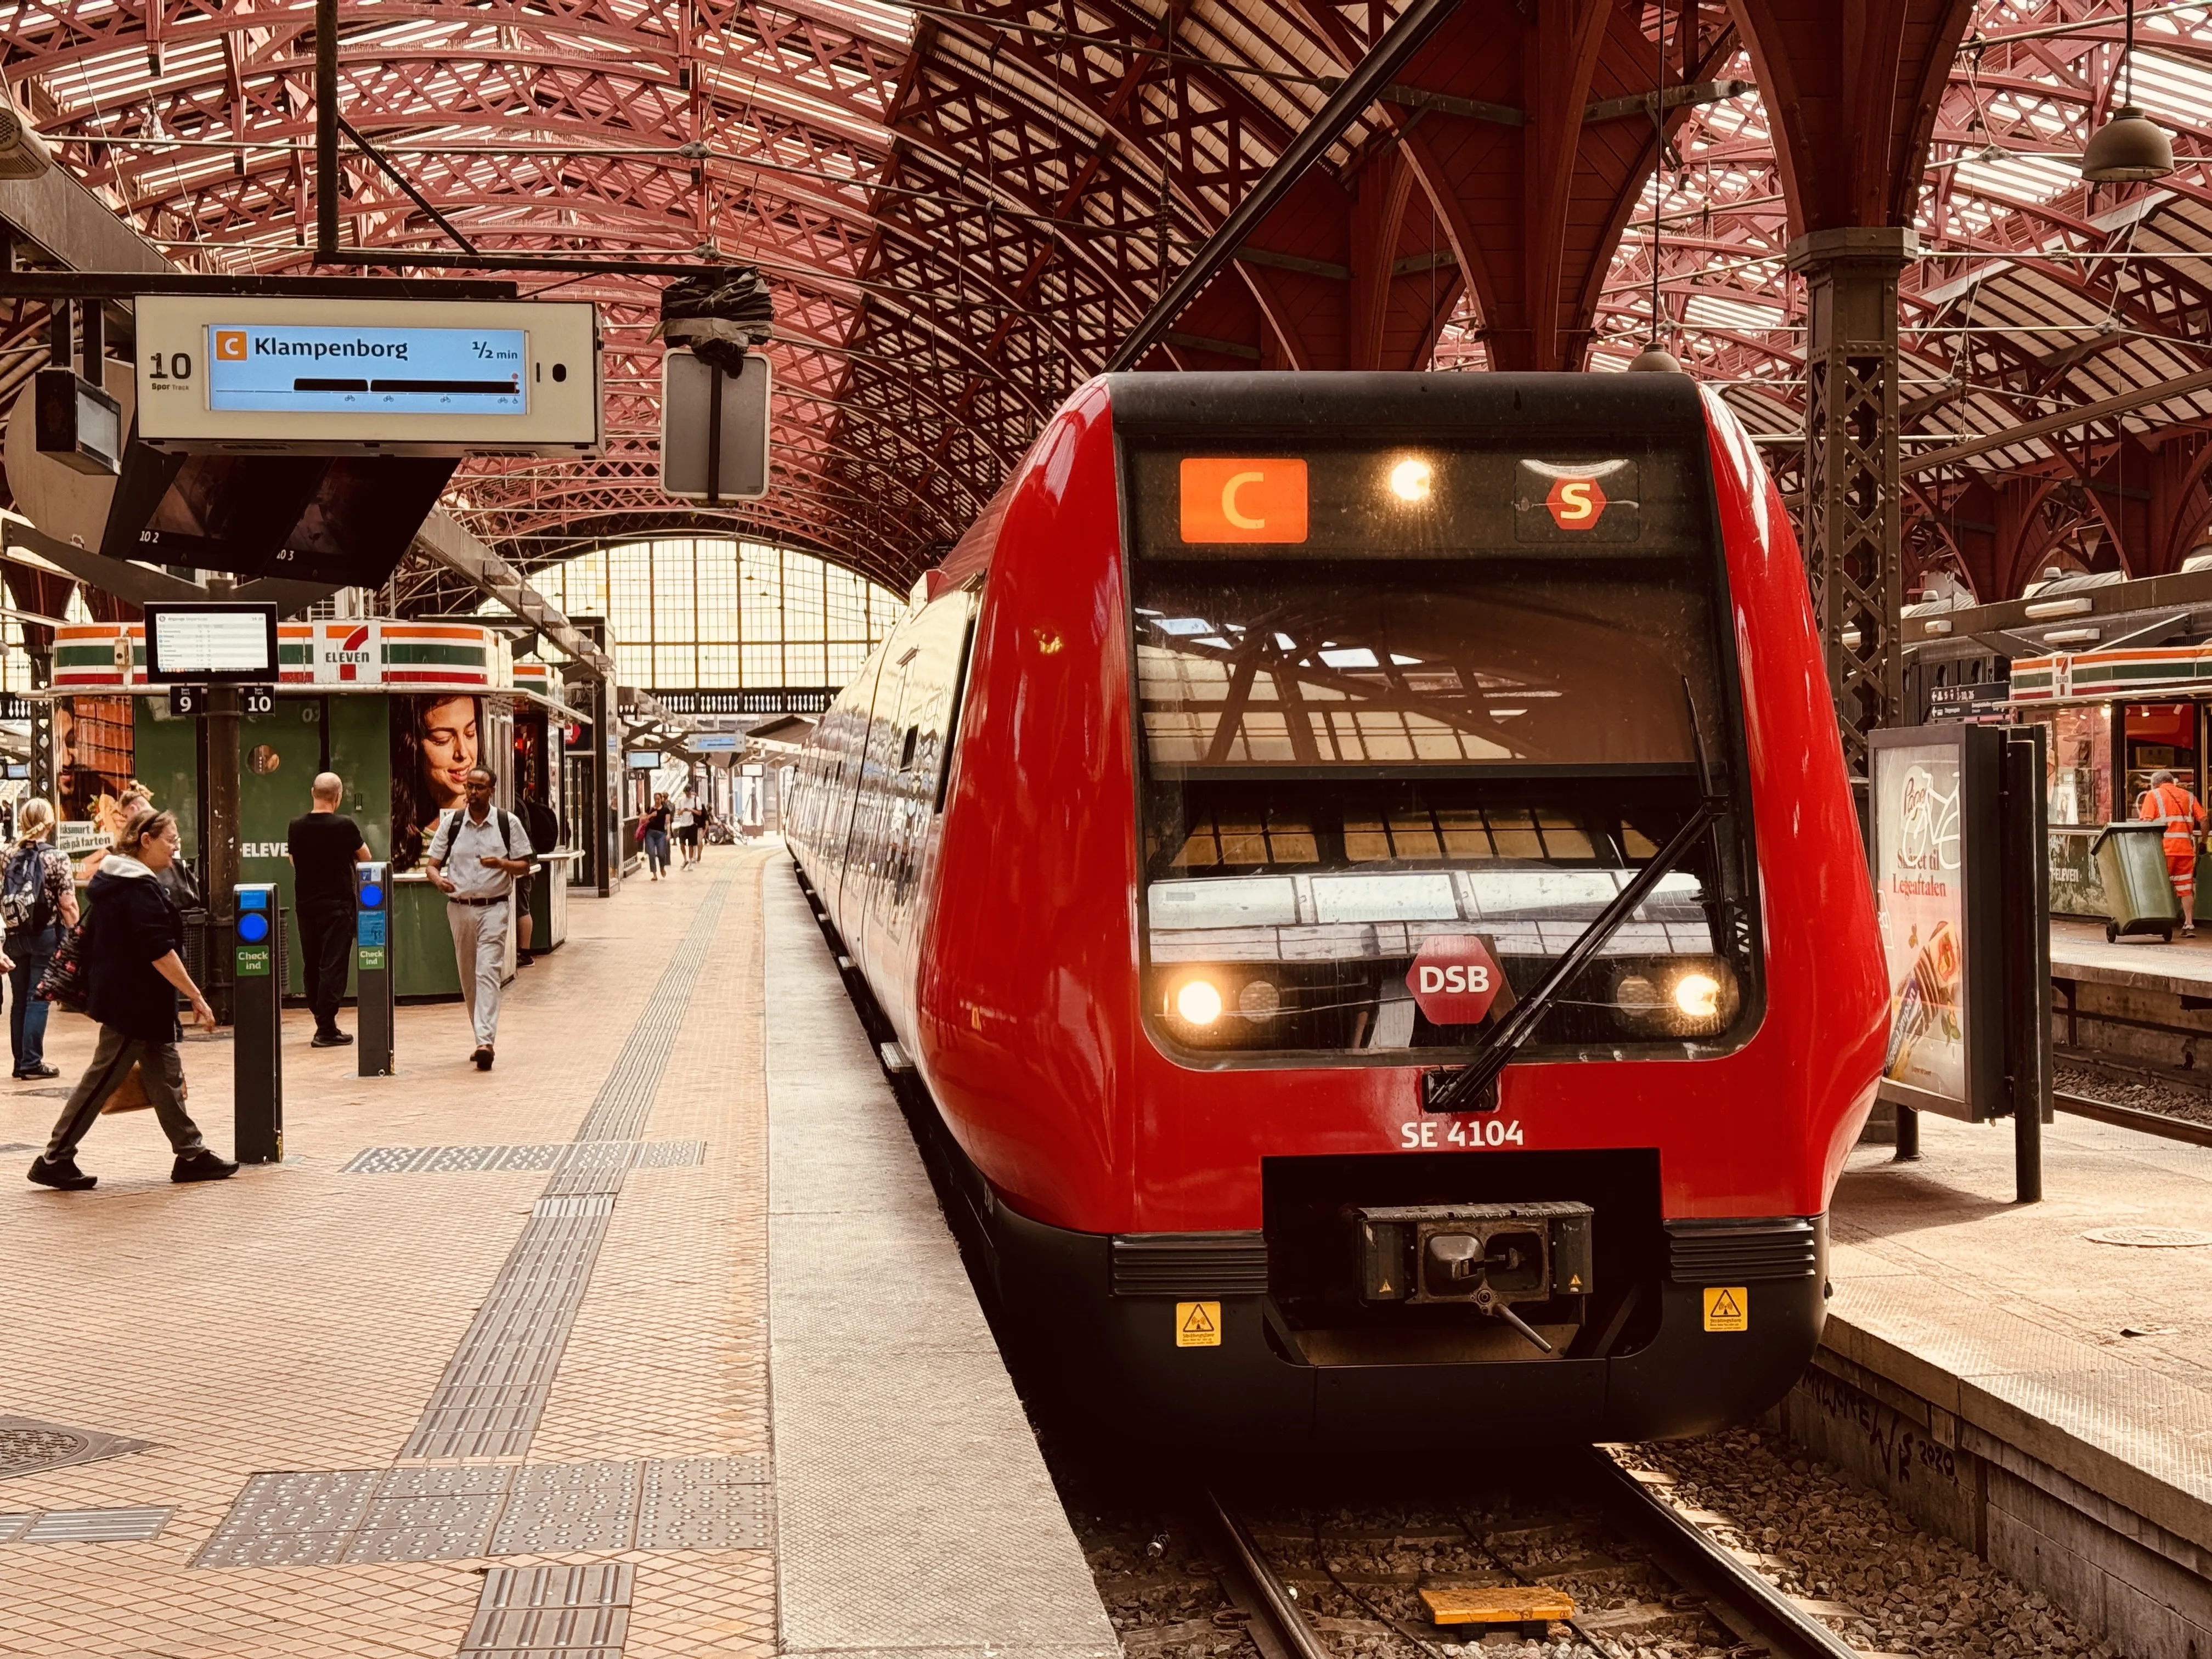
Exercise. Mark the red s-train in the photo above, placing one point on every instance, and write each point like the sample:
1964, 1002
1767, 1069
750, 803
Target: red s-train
1364, 866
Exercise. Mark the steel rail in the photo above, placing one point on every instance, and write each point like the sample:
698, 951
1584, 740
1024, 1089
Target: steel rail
1684, 1552
2130, 1117
1271, 1599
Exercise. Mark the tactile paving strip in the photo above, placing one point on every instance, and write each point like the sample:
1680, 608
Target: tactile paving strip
543, 1156
84, 1526
455, 1514
578, 1612
488, 1401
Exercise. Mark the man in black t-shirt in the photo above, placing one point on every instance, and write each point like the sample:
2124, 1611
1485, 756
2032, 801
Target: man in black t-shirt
323, 846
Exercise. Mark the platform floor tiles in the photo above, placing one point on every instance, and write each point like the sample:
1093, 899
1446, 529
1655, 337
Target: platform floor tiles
480, 1370
2078, 1329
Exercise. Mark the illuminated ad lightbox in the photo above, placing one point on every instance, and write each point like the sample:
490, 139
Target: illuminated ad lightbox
395, 377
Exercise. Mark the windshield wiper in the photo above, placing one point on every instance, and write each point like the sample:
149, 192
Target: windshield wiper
1469, 1087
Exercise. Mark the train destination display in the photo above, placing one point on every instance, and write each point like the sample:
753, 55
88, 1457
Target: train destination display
210, 641
280, 369
221, 374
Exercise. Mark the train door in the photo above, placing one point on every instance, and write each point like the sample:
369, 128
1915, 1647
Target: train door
868, 848
921, 730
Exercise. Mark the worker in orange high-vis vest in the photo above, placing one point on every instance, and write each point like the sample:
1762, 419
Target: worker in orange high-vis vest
2183, 816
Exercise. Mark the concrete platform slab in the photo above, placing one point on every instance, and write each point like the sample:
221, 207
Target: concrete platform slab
914, 1511
2041, 1396
2080, 951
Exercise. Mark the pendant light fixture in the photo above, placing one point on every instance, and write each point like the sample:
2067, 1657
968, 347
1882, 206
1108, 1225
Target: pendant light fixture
1655, 358
2130, 148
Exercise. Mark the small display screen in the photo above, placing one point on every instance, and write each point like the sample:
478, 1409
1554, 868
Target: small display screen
211, 641
280, 369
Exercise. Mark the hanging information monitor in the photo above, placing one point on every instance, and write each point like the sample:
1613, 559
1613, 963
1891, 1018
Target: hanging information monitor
210, 641
344, 377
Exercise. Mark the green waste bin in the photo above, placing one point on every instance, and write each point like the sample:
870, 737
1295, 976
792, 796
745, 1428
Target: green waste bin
2131, 864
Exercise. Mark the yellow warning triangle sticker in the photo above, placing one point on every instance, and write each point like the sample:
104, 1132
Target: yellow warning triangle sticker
1725, 1306
1198, 1324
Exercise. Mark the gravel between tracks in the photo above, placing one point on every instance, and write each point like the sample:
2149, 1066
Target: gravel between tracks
1884, 1584
2145, 1094
1827, 1540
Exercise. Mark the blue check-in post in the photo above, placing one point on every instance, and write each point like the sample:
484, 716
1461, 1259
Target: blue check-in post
372, 968
257, 1005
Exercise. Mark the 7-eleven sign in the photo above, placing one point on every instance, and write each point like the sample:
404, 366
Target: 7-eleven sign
345, 653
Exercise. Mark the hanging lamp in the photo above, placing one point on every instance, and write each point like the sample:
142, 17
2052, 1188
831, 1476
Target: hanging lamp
2130, 148
1655, 358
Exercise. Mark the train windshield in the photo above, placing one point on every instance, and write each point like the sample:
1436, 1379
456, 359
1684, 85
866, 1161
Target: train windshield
1380, 704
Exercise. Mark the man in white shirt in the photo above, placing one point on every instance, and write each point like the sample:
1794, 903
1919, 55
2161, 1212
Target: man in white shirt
474, 859
687, 825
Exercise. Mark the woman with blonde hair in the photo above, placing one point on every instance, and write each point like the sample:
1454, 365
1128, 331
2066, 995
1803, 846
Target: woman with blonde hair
134, 970
38, 899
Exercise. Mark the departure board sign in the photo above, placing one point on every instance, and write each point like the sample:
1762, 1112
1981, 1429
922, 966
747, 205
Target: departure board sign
214, 641
361, 377
294, 368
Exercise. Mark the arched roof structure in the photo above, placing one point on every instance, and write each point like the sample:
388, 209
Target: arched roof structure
963, 207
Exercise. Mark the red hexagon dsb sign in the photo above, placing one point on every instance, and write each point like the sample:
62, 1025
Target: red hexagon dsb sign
1454, 980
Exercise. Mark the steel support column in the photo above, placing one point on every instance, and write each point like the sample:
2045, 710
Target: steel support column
1851, 499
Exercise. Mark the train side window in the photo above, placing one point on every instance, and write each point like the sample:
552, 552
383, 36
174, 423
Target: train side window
906, 752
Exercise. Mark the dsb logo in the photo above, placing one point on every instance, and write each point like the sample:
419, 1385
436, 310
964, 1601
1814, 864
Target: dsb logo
1470, 976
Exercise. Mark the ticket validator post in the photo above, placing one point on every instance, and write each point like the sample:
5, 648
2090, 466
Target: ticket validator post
257, 1005
371, 968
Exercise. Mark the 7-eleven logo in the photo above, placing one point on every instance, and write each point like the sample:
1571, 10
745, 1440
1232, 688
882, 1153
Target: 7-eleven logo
351, 654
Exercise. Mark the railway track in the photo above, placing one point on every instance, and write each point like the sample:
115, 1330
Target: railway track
1640, 1574
2130, 1117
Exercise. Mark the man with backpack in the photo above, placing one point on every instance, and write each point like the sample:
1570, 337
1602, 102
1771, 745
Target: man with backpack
37, 900
484, 850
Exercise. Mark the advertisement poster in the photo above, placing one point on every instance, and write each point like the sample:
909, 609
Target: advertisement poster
1920, 899
436, 740
94, 747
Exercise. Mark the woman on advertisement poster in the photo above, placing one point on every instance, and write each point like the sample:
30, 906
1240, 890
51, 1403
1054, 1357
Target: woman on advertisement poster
435, 746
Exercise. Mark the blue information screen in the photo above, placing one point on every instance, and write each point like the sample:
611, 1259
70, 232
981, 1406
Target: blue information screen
297, 368
369, 927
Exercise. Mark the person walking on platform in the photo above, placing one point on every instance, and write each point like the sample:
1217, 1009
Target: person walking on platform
323, 845
2185, 827
484, 850
687, 826
655, 833
38, 899
133, 973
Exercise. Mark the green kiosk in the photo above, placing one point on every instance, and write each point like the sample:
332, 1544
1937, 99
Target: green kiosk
402, 711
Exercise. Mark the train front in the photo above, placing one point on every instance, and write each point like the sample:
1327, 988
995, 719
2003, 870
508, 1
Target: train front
1503, 1022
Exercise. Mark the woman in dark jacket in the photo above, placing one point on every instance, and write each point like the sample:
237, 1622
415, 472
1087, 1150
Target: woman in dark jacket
133, 973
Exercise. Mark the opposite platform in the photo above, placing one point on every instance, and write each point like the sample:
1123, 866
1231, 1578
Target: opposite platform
2035, 1379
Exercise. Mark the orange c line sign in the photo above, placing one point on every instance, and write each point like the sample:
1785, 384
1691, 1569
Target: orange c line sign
1243, 499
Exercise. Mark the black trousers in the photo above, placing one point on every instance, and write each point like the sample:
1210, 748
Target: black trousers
325, 934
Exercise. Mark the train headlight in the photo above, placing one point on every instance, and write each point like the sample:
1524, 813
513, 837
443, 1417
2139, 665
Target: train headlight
1637, 995
1197, 1002
1259, 1001
1698, 996
1410, 480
